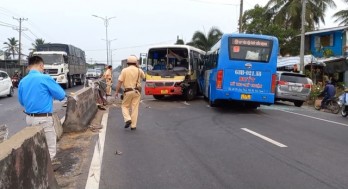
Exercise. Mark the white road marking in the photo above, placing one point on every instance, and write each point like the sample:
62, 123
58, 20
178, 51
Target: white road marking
95, 168
265, 138
334, 122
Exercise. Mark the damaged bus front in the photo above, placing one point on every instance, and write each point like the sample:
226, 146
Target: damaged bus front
173, 70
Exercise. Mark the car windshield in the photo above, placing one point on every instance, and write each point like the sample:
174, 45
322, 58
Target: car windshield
52, 58
91, 70
294, 78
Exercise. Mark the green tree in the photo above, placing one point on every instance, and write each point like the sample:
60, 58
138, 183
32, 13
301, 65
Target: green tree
205, 42
179, 41
37, 42
287, 13
11, 46
257, 21
342, 16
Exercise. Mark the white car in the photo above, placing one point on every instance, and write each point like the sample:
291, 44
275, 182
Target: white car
6, 87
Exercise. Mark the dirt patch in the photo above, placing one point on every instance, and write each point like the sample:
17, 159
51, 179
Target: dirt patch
73, 156
73, 151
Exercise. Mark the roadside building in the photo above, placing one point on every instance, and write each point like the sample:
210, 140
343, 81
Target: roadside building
330, 46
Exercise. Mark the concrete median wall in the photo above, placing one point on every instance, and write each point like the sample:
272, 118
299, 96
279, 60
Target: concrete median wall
25, 161
81, 109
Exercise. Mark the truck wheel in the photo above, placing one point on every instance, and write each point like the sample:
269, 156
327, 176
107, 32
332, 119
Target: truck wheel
158, 97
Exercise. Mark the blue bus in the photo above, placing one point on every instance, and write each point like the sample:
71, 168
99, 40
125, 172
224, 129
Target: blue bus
241, 68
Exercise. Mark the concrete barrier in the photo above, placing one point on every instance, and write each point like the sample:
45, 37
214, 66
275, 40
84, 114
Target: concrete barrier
81, 109
25, 161
57, 126
3, 133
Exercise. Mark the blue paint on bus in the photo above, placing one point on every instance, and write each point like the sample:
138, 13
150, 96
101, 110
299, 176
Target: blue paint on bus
242, 68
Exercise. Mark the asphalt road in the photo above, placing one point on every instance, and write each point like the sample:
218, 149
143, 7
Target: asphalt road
11, 112
191, 145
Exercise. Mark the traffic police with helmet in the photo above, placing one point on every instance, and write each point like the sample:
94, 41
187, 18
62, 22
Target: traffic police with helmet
130, 78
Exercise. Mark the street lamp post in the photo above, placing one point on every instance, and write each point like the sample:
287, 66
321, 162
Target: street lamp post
109, 47
106, 23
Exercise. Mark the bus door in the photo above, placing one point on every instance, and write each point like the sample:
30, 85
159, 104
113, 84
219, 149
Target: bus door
250, 69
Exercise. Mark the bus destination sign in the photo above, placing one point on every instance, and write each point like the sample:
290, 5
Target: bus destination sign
250, 42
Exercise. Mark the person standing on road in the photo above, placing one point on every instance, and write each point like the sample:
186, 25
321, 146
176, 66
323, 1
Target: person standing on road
36, 93
130, 78
108, 79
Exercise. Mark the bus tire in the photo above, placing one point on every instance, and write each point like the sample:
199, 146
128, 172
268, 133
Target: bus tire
212, 103
190, 93
158, 97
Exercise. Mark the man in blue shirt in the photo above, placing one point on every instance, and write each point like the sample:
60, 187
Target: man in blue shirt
329, 92
36, 93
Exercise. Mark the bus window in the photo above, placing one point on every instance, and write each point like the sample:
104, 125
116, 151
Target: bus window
258, 50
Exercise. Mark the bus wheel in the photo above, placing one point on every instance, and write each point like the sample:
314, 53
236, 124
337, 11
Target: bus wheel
212, 103
158, 97
190, 93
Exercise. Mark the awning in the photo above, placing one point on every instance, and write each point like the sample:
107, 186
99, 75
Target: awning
335, 65
292, 60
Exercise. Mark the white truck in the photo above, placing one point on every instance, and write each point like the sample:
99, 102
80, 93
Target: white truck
65, 63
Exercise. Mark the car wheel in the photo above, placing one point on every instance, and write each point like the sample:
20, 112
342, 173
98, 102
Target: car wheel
298, 103
11, 93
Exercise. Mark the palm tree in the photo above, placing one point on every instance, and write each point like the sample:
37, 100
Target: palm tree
37, 42
288, 12
12, 46
342, 16
205, 42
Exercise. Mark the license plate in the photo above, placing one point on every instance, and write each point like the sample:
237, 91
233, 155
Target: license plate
164, 91
245, 97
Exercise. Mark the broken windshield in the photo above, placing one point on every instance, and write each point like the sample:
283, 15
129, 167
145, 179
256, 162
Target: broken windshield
168, 61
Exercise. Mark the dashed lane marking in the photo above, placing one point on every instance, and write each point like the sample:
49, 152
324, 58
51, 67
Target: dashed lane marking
265, 138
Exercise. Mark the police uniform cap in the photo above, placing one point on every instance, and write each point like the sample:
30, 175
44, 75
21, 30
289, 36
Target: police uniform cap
132, 60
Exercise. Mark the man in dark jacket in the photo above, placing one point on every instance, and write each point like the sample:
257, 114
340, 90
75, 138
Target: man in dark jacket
329, 92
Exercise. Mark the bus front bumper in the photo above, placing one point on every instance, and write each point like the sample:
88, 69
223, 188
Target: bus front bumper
163, 90
262, 98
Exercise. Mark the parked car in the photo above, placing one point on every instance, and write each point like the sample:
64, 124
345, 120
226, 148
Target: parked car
92, 74
293, 87
6, 87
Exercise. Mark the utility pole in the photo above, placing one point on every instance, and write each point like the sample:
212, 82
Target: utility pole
240, 15
20, 20
303, 20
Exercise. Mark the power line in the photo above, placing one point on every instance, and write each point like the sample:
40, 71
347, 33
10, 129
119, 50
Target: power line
27, 37
130, 47
33, 34
215, 3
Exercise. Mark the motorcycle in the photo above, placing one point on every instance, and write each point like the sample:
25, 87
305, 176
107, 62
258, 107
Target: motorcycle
332, 105
15, 81
343, 102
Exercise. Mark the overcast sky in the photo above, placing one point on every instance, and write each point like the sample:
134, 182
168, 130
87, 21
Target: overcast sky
138, 23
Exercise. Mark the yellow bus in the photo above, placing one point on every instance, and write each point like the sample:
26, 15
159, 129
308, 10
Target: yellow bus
173, 70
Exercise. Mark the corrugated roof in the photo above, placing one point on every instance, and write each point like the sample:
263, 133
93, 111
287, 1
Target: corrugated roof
327, 30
